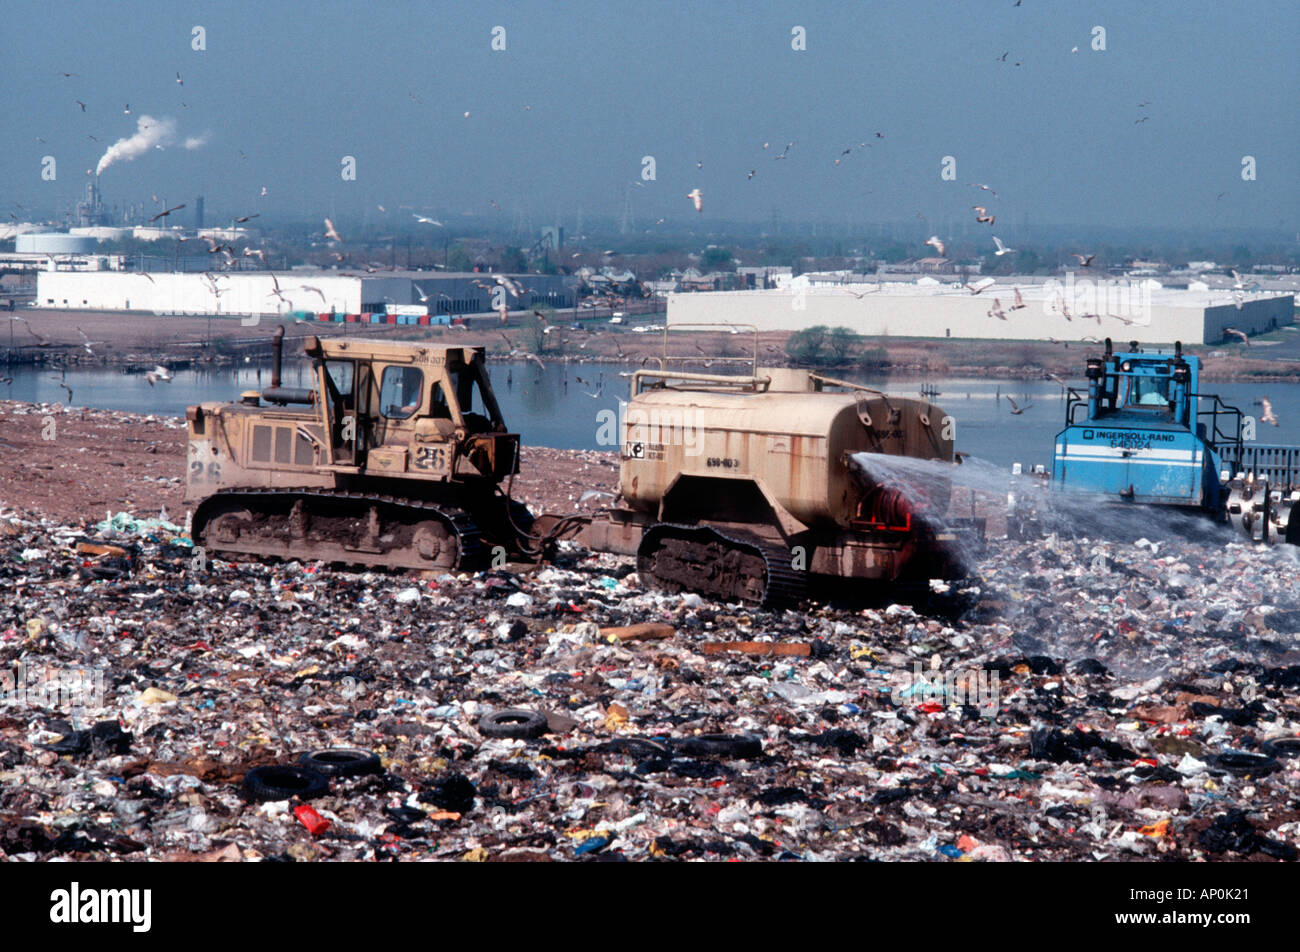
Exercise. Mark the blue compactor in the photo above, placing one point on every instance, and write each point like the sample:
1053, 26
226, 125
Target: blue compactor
1143, 433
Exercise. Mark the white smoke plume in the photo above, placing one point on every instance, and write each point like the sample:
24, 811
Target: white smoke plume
150, 133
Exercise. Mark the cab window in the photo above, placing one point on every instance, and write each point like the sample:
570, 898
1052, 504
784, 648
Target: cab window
1152, 392
439, 408
399, 392
341, 373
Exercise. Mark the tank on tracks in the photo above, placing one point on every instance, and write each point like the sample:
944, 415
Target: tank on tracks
749, 486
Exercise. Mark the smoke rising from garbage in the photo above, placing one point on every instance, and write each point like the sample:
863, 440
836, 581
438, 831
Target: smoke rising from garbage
150, 133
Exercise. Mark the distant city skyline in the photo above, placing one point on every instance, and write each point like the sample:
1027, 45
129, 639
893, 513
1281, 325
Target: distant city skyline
585, 101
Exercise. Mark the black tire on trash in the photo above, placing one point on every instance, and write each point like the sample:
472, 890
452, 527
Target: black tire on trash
513, 723
1240, 763
283, 782
735, 746
341, 762
1281, 747
636, 747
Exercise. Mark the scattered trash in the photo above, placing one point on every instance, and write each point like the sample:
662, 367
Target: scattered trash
313, 821
1140, 707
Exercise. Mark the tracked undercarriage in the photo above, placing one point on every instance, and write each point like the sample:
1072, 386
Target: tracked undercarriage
729, 565
355, 529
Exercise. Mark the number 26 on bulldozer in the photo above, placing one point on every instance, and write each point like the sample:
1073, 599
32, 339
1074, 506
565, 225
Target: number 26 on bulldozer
431, 457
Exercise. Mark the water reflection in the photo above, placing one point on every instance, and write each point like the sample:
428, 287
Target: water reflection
559, 406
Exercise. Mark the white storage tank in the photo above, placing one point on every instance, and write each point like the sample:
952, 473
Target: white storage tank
54, 243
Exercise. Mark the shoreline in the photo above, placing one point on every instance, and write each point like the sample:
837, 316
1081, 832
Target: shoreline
132, 340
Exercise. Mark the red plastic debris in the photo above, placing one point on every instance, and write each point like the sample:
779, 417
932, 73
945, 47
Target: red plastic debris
315, 823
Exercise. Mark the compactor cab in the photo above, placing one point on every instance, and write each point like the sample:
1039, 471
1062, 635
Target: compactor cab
414, 411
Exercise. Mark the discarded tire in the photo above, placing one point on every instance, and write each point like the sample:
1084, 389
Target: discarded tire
284, 781
719, 745
1282, 747
1240, 763
637, 747
341, 762
514, 724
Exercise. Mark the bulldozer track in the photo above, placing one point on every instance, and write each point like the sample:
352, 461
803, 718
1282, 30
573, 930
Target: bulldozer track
397, 532
728, 564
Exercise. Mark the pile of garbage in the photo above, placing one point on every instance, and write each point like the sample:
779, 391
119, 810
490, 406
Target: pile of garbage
1095, 700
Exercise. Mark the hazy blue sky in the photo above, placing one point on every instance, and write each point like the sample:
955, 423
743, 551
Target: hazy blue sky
298, 87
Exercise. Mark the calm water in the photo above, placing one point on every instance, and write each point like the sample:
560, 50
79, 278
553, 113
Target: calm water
553, 408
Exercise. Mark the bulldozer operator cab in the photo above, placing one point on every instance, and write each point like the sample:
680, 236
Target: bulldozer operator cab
390, 404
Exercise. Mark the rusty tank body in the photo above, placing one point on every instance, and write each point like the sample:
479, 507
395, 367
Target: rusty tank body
393, 459
745, 487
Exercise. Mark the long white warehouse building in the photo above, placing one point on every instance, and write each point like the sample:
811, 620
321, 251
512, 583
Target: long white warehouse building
1069, 309
281, 292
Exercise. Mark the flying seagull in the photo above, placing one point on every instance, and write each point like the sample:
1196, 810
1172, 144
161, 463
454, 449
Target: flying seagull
1268, 416
167, 211
1017, 410
1236, 333
697, 197
1002, 249
332, 232
934, 242
26, 323
63, 383
1084, 261
158, 373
